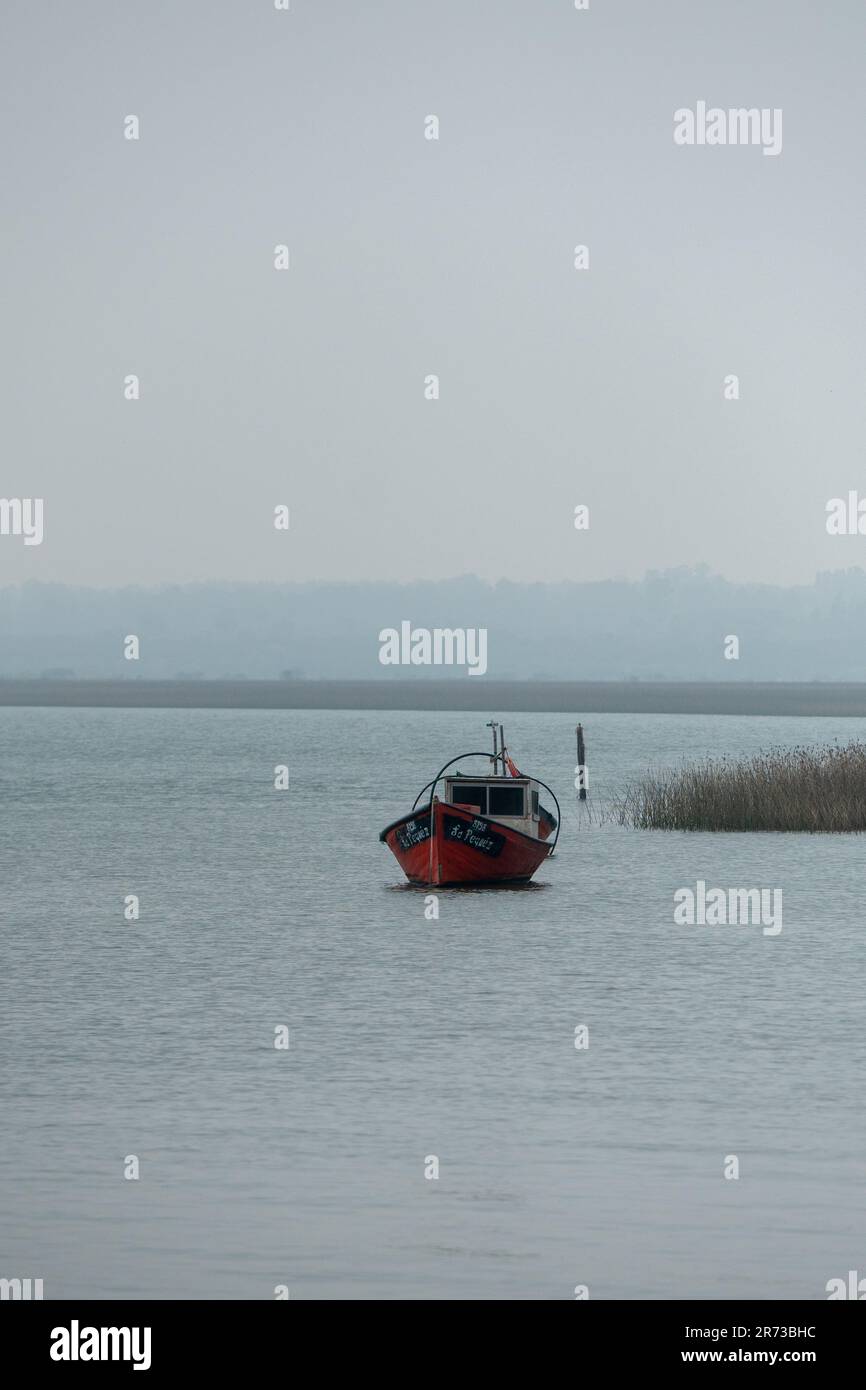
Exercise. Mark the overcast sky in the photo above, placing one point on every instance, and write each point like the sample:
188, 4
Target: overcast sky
410, 256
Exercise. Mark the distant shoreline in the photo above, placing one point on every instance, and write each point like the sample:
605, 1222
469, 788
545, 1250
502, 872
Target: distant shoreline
493, 697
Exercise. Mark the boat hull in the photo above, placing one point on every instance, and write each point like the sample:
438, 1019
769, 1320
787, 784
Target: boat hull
463, 848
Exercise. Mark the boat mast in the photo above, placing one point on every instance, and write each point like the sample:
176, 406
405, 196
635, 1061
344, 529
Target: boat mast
502, 746
491, 724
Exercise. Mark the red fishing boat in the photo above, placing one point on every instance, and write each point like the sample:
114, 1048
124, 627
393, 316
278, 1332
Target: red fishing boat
483, 829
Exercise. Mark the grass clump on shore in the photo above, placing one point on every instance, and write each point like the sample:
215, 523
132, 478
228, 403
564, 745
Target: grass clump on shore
817, 789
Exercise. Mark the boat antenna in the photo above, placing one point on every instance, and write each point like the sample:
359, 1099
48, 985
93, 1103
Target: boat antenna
491, 724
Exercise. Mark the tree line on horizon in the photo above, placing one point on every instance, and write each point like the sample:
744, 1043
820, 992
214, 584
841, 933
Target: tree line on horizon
671, 625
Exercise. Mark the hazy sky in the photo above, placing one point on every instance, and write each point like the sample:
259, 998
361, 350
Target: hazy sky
411, 256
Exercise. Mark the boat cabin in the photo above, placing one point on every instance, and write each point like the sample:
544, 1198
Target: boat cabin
511, 800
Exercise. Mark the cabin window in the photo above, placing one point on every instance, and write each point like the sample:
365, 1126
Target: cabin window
506, 801
535, 803
471, 796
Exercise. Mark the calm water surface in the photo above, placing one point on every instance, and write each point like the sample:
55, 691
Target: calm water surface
409, 1037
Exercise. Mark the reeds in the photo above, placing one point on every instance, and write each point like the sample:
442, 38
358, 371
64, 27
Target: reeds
816, 789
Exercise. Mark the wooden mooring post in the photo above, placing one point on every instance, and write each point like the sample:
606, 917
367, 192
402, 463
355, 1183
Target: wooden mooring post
580, 780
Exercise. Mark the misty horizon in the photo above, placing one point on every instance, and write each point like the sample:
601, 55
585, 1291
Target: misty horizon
671, 625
